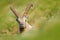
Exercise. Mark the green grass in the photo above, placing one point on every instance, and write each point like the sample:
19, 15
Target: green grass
44, 16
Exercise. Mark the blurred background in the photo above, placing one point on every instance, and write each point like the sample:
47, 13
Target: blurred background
44, 16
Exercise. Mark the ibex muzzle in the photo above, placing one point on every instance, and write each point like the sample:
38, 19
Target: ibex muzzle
23, 24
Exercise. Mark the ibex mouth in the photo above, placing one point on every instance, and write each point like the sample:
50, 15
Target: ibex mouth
21, 28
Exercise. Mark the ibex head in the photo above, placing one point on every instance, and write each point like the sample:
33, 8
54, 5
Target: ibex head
23, 24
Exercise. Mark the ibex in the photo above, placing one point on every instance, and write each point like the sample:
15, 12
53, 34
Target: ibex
23, 24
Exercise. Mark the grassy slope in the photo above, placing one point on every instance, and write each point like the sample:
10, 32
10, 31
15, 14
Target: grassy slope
44, 16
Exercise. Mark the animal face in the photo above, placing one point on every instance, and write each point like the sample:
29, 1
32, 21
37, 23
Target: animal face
23, 24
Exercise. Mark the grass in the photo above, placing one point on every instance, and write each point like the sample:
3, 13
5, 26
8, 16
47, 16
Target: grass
44, 16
